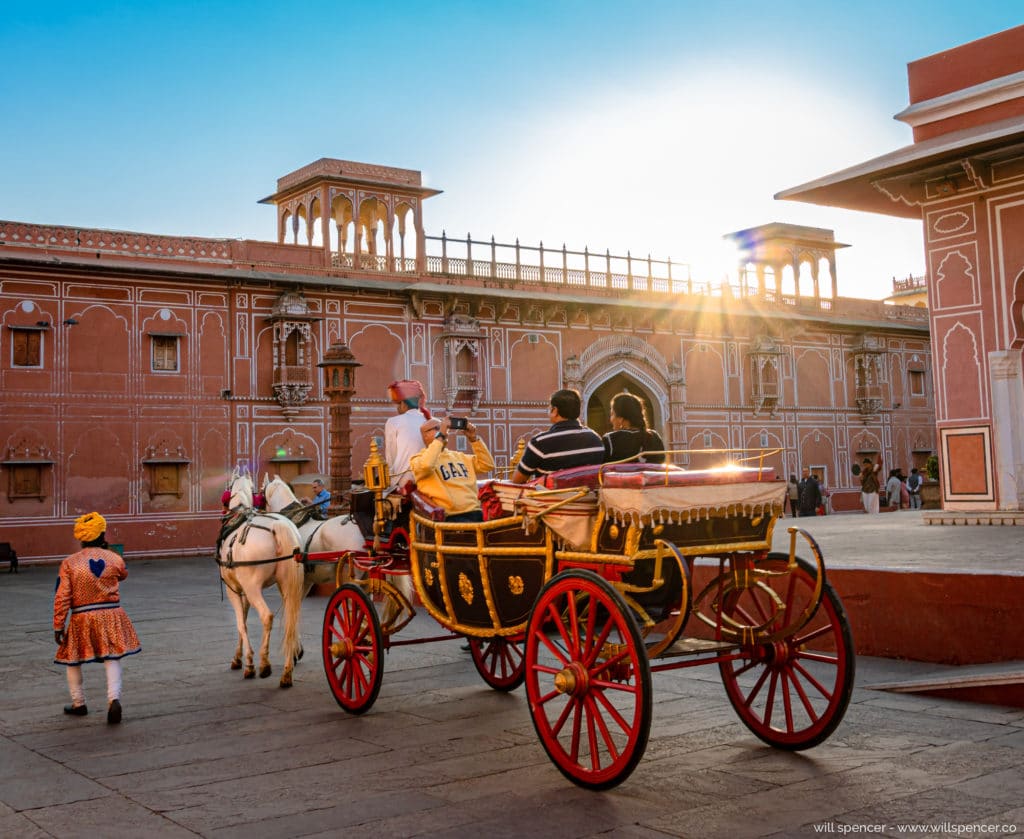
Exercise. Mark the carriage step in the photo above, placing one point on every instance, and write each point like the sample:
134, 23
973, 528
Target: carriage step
694, 646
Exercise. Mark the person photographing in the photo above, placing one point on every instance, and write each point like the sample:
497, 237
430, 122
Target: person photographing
447, 477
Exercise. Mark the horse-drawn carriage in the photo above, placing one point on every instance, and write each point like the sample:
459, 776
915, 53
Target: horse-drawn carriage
584, 585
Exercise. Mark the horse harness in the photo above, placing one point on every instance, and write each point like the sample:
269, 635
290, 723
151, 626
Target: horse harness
236, 530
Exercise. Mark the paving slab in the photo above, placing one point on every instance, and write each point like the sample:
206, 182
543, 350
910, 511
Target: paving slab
203, 752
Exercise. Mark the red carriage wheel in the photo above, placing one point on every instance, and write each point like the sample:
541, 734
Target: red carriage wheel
352, 649
588, 680
499, 661
791, 693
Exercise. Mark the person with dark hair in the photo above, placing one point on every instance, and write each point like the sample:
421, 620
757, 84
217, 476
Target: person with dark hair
321, 499
98, 628
914, 489
631, 438
869, 485
793, 495
809, 494
566, 444
893, 489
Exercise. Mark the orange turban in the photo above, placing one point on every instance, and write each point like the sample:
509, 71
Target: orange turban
90, 527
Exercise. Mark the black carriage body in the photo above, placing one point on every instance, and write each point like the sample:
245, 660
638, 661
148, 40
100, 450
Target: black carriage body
481, 579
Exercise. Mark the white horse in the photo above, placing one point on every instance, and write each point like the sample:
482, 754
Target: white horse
258, 553
340, 533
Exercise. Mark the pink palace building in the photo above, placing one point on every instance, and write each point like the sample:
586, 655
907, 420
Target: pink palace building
137, 369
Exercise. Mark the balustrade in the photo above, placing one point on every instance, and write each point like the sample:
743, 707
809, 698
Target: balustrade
293, 374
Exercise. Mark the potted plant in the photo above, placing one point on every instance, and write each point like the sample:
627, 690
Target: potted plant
930, 492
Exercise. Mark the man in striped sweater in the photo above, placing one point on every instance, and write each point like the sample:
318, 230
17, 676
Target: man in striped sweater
566, 444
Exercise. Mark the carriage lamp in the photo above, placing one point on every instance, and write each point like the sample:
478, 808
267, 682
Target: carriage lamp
375, 470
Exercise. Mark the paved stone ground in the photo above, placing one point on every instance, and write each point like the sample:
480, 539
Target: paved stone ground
203, 753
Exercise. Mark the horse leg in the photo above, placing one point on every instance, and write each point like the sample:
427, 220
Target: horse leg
240, 604
267, 620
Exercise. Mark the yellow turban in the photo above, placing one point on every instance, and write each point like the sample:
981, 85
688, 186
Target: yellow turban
89, 527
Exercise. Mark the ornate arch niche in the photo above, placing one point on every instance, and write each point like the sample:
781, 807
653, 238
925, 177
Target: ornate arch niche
462, 342
291, 320
635, 359
765, 374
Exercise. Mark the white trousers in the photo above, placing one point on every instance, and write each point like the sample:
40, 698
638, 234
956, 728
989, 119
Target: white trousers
870, 501
77, 689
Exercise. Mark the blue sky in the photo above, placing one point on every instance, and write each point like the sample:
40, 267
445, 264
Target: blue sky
655, 126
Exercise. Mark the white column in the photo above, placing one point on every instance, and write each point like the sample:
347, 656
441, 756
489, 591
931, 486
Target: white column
1007, 409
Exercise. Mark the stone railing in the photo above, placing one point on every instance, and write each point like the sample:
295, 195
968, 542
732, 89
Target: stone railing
115, 242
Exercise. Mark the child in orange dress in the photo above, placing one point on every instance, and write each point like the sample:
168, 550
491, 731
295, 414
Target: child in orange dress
99, 629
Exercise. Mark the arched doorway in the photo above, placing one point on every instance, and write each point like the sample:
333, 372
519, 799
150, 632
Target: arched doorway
600, 401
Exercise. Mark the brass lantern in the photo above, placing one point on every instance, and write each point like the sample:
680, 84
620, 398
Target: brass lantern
375, 470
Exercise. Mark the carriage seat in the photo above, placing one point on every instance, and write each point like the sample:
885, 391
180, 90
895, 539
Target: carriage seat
597, 474
426, 508
686, 477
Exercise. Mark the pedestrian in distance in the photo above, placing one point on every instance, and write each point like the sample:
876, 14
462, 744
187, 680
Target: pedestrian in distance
892, 489
914, 489
869, 485
809, 493
793, 495
98, 629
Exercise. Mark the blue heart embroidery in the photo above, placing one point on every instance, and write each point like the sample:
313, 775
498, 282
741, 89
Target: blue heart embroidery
97, 566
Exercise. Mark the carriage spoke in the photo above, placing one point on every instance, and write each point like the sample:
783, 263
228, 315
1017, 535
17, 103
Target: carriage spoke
804, 699
598, 645
769, 705
574, 751
556, 729
787, 700
613, 712
807, 637
809, 678
756, 689
595, 755
555, 616
606, 736
831, 659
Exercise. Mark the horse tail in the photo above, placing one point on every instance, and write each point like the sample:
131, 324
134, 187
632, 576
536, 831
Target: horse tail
291, 594
287, 539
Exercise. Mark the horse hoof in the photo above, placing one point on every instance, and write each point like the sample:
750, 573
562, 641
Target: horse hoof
236, 665
250, 673
302, 652
286, 681
264, 672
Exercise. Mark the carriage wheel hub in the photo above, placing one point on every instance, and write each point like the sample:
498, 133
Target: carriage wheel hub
572, 679
343, 648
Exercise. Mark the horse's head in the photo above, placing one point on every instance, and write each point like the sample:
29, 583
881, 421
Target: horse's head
278, 494
241, 491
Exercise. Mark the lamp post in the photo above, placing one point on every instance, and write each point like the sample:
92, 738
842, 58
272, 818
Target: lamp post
339, 366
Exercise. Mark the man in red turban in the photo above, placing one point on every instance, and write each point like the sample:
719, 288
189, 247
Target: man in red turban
402, 437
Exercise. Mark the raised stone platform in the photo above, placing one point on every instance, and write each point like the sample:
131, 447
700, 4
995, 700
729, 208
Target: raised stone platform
995, 517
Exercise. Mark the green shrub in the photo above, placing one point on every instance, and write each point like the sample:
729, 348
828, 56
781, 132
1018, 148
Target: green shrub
931, 466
